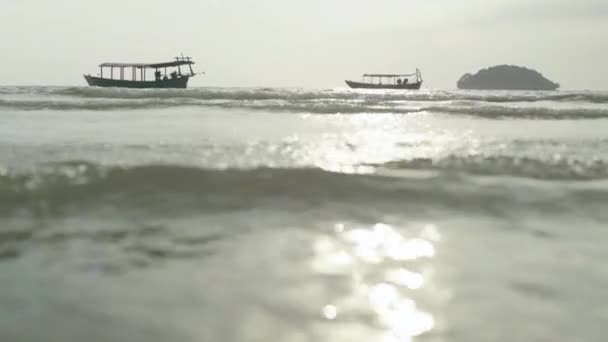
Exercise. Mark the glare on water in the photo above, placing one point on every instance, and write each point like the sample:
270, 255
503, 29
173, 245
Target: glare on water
359, 252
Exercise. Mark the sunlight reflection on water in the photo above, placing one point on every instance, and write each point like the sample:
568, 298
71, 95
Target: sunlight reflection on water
360, 252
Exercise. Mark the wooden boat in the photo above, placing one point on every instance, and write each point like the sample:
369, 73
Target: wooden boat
160, 79
388, 81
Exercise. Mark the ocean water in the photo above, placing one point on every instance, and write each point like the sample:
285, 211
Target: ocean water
299, 215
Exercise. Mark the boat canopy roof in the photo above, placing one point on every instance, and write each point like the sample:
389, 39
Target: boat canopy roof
179, 61
146, 65
389, 75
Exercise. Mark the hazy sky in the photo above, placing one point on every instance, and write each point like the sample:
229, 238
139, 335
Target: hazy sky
311, 43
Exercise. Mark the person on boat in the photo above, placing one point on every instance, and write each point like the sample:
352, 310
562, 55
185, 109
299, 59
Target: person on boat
405, 80
174, 75
399, 81
165, 77
157, 75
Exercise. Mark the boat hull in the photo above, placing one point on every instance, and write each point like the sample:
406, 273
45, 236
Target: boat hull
180, 82
362, 85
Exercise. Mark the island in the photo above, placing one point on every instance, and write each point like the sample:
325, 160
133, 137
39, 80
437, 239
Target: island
506, 77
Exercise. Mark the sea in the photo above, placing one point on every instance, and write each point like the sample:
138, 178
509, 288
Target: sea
302, 215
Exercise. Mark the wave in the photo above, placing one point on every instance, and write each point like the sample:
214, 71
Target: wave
78, 182
296, 94
490, 105
550, 168
96, 105
274, 105
302, 94
211, 189
493, 112
310, 106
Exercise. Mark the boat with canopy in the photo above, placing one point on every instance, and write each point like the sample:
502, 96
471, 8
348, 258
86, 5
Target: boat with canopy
388, 81
172, 74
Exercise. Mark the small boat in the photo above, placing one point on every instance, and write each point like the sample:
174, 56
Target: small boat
139, 71
388, 81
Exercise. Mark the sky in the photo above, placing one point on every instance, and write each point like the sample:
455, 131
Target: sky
305, 43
